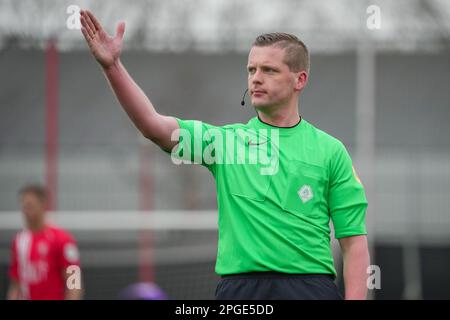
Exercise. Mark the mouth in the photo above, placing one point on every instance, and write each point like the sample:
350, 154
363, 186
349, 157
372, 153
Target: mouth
258, 93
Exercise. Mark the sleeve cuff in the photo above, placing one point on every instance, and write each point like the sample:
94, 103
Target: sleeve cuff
349, 232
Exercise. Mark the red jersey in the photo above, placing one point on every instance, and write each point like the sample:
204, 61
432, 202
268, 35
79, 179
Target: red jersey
39, 262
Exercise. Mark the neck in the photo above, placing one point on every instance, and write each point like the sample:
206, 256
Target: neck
36, 225
280, 117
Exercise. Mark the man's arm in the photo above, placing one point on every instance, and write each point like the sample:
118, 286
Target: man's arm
356, 261
14, 286
106, 50
74, 293
13, 291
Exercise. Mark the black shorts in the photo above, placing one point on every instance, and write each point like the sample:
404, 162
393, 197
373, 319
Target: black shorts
277, 286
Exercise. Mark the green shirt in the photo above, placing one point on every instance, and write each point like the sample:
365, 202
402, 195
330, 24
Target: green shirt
277, 189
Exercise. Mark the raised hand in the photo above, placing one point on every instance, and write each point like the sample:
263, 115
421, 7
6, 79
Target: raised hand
104, 48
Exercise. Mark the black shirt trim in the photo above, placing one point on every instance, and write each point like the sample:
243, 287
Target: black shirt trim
281, 127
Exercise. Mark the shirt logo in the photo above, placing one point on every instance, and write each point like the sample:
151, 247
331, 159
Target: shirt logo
254, 143
305, 193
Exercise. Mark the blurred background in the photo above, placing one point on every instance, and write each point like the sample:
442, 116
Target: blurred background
380, 75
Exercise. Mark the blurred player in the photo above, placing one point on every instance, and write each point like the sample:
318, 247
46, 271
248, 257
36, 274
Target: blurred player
274, 228
44, 258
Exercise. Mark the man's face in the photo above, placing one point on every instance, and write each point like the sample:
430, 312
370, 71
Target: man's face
270, 81
32, 207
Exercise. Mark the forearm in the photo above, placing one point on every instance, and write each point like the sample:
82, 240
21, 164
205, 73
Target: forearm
356, 261
133, 100
73, 284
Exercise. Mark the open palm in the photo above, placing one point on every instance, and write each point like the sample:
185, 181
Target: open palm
104, 48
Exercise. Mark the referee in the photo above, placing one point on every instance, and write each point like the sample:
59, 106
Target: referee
274, 213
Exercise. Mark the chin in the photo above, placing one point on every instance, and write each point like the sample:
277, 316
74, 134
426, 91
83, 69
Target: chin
260, 105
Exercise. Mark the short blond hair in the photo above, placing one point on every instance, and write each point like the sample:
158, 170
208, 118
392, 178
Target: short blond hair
296, 53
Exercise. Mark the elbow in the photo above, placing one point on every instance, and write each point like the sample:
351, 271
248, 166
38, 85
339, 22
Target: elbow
152, 137
354, 244
148, 134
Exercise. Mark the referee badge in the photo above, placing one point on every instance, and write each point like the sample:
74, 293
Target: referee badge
305, 193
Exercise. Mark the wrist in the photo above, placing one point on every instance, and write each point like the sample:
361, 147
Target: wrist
112, 67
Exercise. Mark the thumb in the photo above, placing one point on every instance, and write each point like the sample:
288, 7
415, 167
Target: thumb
120, 30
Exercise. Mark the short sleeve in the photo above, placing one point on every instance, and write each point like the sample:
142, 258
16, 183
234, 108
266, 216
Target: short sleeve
197, 143
13, 266
347, 200
69, 254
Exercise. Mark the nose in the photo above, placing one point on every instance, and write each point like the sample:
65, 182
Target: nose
257, 77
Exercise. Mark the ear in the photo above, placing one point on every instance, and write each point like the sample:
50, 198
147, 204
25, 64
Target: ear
301, 79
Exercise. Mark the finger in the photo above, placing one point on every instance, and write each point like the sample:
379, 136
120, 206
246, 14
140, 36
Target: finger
83, 21
94, 20
86, 35
120, 30
87, 27
90, 23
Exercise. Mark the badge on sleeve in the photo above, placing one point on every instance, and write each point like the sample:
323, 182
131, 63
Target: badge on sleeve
71, 252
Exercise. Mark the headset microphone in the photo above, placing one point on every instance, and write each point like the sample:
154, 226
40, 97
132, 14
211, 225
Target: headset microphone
243, 98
